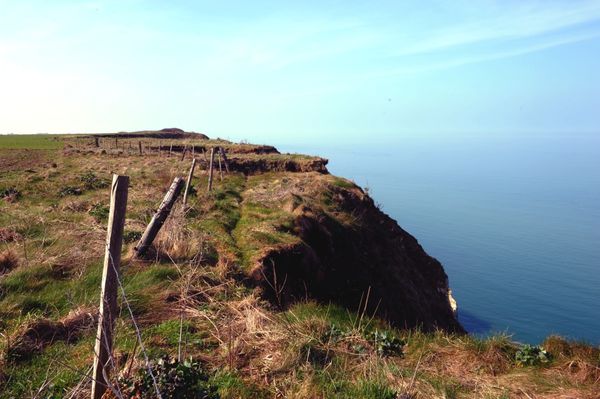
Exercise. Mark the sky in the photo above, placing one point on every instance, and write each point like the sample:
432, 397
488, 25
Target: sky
301, 71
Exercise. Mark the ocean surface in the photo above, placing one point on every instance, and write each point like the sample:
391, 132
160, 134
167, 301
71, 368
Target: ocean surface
515, 221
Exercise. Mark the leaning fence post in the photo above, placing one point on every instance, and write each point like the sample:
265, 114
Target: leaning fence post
189, 182
159, 217
108, 294
210, 168
220, 167
222, 152
183, 153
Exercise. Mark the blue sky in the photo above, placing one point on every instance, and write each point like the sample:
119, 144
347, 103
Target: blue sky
301, 71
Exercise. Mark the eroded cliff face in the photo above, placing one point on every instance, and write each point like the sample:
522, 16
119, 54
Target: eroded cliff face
350, 253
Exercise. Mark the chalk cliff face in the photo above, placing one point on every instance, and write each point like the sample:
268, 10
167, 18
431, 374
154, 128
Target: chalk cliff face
351, 253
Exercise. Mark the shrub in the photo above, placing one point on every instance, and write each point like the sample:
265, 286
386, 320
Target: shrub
174, 379
530, 355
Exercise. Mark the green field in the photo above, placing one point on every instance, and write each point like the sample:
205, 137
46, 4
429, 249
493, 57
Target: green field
31, 141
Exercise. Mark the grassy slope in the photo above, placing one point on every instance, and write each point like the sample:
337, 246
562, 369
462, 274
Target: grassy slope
250, 348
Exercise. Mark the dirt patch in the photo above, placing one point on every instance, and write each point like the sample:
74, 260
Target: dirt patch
18, 160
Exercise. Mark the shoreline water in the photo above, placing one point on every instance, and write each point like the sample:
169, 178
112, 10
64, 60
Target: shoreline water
515, 224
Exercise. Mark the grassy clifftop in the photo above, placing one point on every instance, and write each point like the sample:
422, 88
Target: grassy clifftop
284, 281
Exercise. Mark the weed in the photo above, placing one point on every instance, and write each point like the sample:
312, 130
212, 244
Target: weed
530, 355
92, 182
386, 343
99, 212
174, 380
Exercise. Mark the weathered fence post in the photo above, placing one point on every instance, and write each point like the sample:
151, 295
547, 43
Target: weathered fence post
210, 168
160, 148
220, 167
96, 142
222, 152
159, 217
193, 151
189, 182
170, 149
183, 153
116, 143
108, 294
140, 147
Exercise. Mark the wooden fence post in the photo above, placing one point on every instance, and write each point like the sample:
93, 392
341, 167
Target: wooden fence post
184, 150
220, 167
222, 152
96, 142
140, 147
210, 168
108, 295
116, 143
170, 150
159, 217
189, 182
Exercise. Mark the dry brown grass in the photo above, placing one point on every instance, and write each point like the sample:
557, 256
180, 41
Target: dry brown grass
8, 261
9, 235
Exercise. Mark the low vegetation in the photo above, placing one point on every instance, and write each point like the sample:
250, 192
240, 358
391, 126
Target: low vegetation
205, 331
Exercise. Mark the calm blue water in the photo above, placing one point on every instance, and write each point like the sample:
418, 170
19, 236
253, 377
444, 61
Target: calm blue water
514, 221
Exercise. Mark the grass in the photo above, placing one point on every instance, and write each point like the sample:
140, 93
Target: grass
194, 297
31, 141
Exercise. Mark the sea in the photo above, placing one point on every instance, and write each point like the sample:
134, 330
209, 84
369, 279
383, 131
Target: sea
514, 219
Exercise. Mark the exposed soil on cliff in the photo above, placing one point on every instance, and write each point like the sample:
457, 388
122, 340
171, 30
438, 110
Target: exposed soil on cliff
353, 254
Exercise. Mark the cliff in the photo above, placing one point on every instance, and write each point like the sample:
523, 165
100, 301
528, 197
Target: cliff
283, 281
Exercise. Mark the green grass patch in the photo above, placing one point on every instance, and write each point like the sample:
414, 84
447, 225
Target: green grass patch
31, 141
343, 183
231, 385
